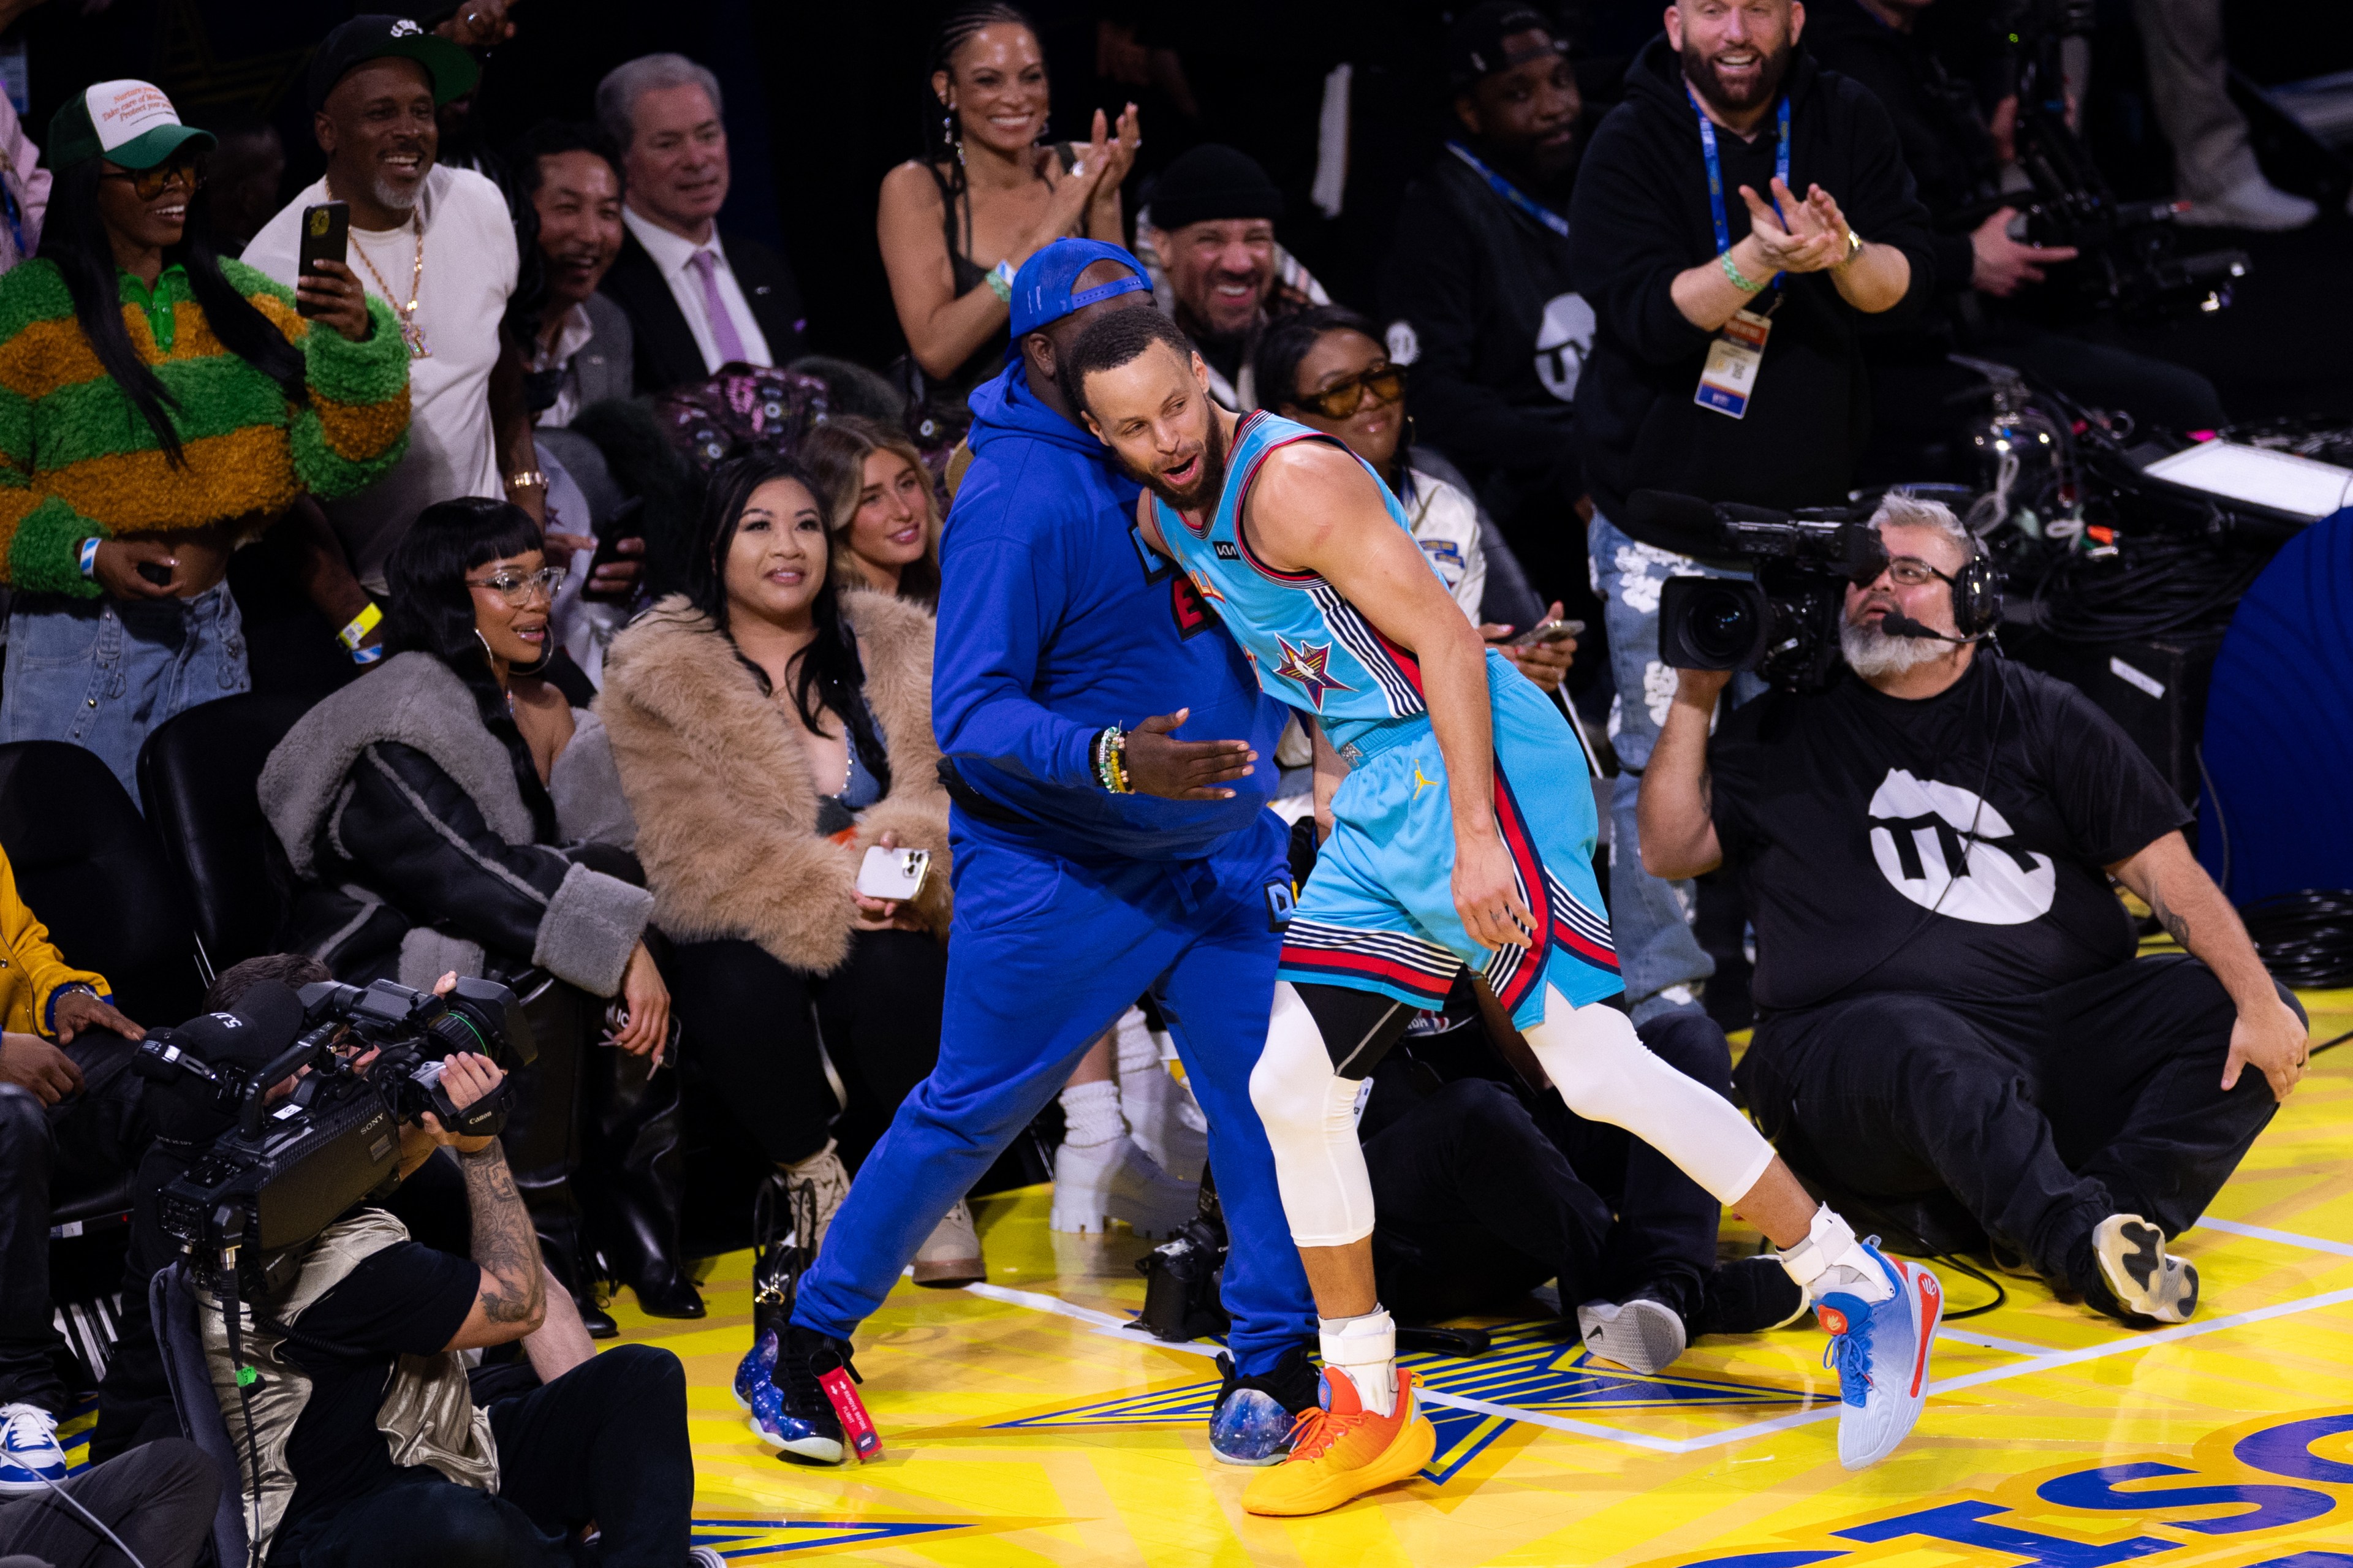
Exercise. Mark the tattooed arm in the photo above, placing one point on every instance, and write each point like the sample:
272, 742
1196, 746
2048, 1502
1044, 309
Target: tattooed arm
2270, 1035
513, 1301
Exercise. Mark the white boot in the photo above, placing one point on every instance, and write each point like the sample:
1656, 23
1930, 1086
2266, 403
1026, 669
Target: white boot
1095, 1185
1161, 1113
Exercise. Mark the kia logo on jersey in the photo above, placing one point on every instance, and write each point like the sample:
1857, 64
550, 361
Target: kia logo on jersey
1948, 850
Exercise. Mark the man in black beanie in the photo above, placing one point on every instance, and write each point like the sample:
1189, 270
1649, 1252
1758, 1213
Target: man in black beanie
1206, 233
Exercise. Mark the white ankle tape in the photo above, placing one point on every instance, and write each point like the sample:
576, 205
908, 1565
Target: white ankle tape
1829, 1239
1368, 1340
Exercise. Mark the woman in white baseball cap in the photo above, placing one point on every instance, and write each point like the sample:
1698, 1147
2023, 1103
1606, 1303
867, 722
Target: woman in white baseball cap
159, 408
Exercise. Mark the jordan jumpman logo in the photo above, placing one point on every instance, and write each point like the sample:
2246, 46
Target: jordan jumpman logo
1420, 783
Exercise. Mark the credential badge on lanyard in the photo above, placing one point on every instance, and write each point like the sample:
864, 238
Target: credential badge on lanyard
1728, 380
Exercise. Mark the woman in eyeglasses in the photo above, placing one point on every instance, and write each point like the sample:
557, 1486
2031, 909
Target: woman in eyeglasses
1327, 368
452, 811
160, 407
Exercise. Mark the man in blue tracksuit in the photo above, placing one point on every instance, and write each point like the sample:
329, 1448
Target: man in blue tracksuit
1072, 901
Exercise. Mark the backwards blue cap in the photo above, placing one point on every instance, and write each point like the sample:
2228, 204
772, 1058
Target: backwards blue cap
1042, 289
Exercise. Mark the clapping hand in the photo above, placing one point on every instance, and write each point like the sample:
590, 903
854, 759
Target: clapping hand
1806, 236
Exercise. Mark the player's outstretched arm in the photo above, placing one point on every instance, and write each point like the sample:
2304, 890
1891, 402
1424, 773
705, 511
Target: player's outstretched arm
1314, 507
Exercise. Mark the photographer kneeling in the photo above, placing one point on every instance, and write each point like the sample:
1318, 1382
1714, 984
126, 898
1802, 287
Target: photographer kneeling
1946, 987
369, 1449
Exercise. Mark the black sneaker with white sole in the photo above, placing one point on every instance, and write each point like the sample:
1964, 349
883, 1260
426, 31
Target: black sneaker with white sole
2145, 1281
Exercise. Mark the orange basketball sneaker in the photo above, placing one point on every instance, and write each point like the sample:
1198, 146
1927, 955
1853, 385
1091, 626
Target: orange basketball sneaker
1341, 1450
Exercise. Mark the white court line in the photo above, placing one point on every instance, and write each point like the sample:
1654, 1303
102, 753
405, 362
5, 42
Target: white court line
1104, 1322
2264, 1233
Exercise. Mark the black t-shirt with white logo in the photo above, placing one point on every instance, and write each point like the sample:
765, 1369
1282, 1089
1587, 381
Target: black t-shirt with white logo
1951, 847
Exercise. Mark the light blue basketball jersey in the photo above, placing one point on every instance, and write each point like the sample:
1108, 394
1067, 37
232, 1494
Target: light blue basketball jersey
1310, 646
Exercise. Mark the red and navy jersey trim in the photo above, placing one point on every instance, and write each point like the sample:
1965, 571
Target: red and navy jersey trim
1419, 969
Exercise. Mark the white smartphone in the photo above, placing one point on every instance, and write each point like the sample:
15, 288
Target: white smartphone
893, 875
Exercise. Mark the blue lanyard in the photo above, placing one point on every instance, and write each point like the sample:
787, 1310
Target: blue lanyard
1529, 204
1715, 170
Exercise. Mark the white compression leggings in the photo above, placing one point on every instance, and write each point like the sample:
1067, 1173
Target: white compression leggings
1593, 1057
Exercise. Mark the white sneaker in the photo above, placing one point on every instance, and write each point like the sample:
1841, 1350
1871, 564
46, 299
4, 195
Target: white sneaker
2252, 203
950, 1257
2147, 1280
830, 1180
1641, 1333
1165, 1120
1094, 1186
30, 1457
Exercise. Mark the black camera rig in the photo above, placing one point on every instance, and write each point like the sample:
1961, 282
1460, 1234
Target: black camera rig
290, 1167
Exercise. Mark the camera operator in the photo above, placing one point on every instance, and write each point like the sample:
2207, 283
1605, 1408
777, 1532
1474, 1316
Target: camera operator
369, 1449
1986, 280
1734, 221
1947, 985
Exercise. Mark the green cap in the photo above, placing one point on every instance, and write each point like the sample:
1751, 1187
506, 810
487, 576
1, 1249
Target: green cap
130, 123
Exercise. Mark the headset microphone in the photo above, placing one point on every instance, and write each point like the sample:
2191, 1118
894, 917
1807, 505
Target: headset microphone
1896, 624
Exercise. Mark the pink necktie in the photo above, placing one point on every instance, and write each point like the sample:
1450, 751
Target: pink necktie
724, 336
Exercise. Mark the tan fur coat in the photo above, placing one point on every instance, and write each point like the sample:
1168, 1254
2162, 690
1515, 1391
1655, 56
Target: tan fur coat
725, 801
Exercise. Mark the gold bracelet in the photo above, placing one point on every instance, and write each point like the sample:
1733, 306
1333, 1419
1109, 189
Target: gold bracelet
527, 479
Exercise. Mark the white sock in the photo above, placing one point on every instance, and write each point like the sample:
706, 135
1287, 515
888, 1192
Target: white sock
1091, 1114
1366, 1348
1831, 1258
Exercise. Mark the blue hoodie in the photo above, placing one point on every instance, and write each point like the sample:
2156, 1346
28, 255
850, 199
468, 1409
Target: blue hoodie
1055, 621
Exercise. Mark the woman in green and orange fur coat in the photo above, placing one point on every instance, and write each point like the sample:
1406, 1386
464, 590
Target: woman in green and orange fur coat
159, 408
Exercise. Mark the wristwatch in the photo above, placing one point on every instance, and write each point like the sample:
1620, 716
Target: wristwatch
1854, 246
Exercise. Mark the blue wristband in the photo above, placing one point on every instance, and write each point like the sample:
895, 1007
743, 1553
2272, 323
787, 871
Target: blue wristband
90, 556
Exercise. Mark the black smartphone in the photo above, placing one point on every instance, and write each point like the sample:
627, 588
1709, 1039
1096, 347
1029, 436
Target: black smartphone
622, 524
326, 237
155, 571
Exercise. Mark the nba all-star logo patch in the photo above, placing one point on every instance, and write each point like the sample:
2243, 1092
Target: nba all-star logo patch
1307, 667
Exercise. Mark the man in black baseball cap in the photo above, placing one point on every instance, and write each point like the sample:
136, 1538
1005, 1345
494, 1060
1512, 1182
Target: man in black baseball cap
1479, 294
364, 39
1206, 233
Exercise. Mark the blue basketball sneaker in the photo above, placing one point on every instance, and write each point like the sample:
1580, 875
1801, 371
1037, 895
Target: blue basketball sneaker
30, 1457
1881, 1351
1255, 1416
791, 1412
751, 1374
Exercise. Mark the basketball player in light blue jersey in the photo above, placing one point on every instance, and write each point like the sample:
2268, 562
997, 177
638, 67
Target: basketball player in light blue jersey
1463, 836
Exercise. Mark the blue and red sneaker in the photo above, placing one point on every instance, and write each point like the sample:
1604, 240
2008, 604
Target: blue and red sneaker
1880, 1352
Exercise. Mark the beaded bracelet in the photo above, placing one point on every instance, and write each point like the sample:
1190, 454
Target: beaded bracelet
1111, 760
1739, 281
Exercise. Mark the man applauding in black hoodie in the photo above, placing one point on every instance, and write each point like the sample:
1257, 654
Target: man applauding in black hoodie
1734, 221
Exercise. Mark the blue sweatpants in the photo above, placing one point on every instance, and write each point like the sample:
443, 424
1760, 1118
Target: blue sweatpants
1044, 953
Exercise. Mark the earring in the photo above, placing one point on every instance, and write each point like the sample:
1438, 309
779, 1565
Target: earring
1045, 131
953, 132
486, 654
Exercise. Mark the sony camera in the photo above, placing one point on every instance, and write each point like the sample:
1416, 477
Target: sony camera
289, 1168
1783, 625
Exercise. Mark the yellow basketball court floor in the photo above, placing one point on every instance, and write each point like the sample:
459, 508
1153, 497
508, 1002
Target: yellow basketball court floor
1023, 1425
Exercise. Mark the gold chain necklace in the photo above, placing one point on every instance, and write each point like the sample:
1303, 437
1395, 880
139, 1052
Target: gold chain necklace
410, 333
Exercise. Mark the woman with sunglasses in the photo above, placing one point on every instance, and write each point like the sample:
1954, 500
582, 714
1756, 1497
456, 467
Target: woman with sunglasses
452, 811
1327, 368
160, 407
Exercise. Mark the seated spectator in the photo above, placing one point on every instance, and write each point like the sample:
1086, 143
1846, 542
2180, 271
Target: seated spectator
129, 471
880, 508
1479, 288
1206, 241
69, 1119
438, 244
696, 299
1949, 997
583, 345
1986, 281
24, 190
422, 810
370, 1450
580, 353
159, 1502
987, 195
771, 727
1486, 1192
1327, 368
